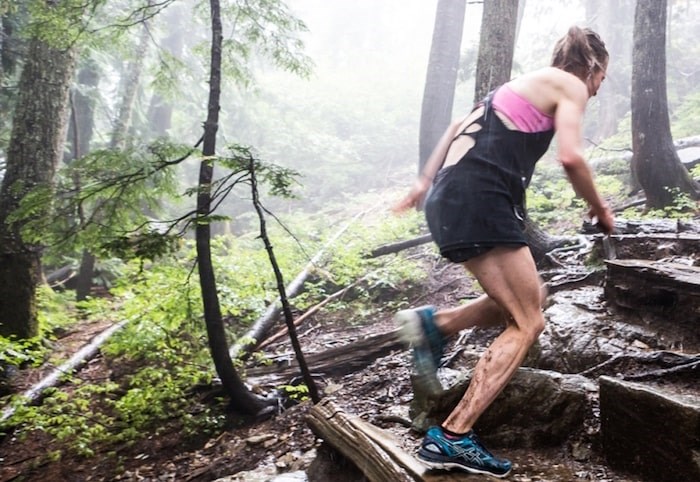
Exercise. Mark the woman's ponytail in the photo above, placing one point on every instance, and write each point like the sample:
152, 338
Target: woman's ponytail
581, 52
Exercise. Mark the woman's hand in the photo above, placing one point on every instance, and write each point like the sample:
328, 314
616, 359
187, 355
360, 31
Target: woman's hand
604, 217
415, 197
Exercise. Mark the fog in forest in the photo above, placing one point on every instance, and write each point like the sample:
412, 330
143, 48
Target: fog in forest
352, 124
359, 110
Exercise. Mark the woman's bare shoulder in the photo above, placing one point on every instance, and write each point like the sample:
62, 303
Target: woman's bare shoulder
545, 87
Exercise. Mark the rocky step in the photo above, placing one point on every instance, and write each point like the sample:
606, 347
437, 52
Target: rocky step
651, 430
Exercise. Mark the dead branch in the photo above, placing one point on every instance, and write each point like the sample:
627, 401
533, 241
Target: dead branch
83, 355
262, 325
400, 246
307, 314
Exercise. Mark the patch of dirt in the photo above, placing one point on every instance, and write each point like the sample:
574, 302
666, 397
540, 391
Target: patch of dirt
379, 393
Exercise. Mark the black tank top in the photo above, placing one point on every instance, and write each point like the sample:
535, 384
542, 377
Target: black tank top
512, 153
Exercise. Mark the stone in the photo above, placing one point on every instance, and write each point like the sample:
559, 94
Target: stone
651, 430
537, 408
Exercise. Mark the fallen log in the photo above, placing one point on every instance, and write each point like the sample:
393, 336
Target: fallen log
628, 365
61, 276
692, 368
651, 226
653, 246
370, 448
626, 155
258, 331
400, 246
298, 321
337, 361
34, 394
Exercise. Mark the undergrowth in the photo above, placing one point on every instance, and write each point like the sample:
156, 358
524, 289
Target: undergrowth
160, 357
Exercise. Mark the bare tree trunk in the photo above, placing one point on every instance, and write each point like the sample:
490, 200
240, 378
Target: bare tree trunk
612, 19
655, 163
160, 109
241, 398
496, 45
521, 13
441, 78
35, 149
80, 134
130, 83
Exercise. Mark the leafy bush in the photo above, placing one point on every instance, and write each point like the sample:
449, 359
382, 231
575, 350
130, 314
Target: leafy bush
162, 353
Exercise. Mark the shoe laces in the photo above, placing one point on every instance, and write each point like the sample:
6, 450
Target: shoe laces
477, 441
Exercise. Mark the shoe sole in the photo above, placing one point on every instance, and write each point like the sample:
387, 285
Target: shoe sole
445, 465
411, 333
453, 465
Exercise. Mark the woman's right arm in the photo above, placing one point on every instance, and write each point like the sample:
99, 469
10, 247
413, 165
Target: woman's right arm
432, 166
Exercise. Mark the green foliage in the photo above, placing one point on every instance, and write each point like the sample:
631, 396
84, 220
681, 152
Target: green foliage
242, 159
553, 204
553, 200
686, 118
145, 245
69, 418
298, 393
350, 258
101, 202
695, 172
55, 311
163, 306
21, 353
265, 28
164, 349
60, 23
683, 207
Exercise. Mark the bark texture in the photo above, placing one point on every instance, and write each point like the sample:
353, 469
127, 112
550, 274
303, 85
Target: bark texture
498, 25
655, 163
80, 133
241, 398
441, 79
35, 149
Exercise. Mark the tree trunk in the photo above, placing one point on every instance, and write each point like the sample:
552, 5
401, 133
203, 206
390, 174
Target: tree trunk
80, 134
12, 46
374, 451
33, 155
129, 85
241, 398
521, 13
498, 24
441, 79
610, 19
160, 110
655, 162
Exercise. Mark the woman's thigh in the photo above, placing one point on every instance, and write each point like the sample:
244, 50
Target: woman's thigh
509, 276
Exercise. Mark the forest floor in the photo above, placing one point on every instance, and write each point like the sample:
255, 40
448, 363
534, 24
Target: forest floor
284, 444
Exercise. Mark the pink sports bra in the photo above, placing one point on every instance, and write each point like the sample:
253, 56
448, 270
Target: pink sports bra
525, 116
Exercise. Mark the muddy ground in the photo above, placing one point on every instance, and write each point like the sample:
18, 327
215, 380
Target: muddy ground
379, 393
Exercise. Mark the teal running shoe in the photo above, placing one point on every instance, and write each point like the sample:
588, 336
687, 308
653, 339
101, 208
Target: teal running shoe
418, 330
466, 453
